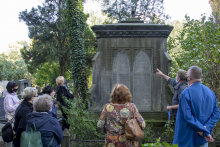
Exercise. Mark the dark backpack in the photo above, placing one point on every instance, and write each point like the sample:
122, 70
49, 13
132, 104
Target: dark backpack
7, 133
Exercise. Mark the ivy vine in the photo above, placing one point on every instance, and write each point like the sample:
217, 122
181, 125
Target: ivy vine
76, 26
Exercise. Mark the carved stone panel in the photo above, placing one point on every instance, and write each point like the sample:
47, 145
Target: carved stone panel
142, 82
121, 69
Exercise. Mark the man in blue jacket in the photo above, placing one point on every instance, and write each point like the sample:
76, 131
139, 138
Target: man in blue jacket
197, 114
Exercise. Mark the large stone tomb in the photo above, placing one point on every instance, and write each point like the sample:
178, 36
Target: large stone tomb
130, 53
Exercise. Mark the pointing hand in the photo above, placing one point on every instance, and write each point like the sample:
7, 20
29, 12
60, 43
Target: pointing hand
159, 72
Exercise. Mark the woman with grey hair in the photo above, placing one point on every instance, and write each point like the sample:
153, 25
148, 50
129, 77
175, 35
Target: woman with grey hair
26, 107
44, 121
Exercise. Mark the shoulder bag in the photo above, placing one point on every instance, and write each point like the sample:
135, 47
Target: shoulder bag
133, 130
32, 138
7, 133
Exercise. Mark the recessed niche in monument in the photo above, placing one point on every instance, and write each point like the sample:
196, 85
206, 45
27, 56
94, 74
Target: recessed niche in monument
121, 69
142, 81
129, 53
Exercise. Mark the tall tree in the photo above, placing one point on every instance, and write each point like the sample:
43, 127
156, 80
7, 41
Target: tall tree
215, 5
147, 10
47, 28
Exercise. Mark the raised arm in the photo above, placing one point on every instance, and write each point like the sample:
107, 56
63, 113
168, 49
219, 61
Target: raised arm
162, 74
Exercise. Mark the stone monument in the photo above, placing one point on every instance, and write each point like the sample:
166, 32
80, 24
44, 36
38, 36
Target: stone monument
22, 84
129, 52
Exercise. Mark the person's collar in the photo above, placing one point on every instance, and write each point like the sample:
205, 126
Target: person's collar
180, 84
195, 81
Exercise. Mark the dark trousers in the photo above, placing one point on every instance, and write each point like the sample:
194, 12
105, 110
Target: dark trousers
65, 123
16, 142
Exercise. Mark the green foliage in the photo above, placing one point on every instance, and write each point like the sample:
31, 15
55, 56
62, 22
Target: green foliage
76, 27
199, 44
48, 74
90, 45
169, 132
50, 43
216, 130
158, 144
97, 18
47, 28
12, 66
215, 5
148, 133
81, 123
121, 10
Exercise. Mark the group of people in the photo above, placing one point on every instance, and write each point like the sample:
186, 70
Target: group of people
39, 110
194, 108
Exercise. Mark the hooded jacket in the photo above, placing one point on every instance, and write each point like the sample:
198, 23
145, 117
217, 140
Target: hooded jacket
10, 102
48, 126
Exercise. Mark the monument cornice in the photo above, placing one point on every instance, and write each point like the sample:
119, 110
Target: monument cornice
131, 30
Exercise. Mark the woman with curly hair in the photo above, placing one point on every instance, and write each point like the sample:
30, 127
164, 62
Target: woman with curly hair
114, 116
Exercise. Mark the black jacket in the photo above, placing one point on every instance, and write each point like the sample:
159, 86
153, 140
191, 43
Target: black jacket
20, 118
63, 92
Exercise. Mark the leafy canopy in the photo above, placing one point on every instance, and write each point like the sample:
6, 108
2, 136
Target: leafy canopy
147, 10
12, 66
199, 42
47, 28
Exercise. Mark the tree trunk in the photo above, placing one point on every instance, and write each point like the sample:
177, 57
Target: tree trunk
62, 67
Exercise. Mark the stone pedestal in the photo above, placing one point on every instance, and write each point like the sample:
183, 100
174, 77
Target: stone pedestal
66, 138
130, 53
22, 84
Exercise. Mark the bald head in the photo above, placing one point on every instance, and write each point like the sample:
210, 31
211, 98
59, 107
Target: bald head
194, 72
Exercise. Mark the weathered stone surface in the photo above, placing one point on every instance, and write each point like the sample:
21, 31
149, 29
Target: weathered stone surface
130, 53
121, 69
22, 84
142, 82
2, 111
131, 30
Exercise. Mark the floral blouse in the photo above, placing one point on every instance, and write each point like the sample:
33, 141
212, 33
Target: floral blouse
112, 122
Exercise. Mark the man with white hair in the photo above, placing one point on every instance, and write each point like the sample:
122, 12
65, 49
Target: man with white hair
197, 114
